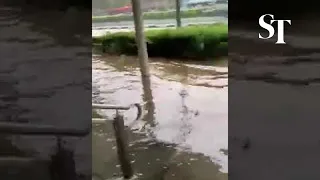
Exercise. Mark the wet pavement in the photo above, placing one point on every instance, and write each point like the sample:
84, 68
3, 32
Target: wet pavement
184, 133
36, 74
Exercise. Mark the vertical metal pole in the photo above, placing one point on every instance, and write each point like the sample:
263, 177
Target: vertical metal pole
62, 165
178, 13
140, 38
122, 146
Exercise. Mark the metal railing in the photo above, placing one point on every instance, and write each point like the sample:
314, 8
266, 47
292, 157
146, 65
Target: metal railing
120, 134
116, 108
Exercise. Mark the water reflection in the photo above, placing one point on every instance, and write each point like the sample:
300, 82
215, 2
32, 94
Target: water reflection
185, 122
147, 97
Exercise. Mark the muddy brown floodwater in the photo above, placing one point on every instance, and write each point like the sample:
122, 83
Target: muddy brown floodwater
184, 135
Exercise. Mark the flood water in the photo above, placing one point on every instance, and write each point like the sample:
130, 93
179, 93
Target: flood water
177, 138
184, 133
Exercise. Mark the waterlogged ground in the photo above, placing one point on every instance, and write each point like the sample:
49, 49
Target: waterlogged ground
35, 76
179, 138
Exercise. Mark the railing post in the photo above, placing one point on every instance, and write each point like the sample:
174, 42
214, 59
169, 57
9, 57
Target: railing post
122, 146
62, 165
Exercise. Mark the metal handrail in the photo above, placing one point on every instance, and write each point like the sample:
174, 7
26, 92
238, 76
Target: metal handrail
114, 107
49, 130
120, 134
103, 106
30, 129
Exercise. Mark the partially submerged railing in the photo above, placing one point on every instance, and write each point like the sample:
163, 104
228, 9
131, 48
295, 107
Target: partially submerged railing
117, 109
120, 134
62, 165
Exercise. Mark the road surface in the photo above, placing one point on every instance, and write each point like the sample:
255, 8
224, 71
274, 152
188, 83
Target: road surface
165, 24
160, 22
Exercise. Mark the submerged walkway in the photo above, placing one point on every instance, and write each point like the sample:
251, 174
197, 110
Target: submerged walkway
172, 146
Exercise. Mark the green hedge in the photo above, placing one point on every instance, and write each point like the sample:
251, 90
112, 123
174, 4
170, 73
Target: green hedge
188, 42
160, 15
